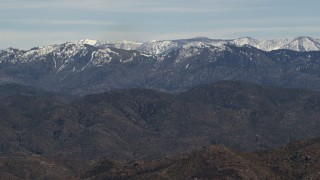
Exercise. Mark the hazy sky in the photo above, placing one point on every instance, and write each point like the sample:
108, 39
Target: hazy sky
29, 23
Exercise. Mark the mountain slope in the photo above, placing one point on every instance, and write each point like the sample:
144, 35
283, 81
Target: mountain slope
295, 161
216, 162
145, 124
32, 167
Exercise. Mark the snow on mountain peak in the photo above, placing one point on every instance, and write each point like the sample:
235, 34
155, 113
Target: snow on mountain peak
11, 50
302, 43
155, 47
245, 41
128, 42
91, 42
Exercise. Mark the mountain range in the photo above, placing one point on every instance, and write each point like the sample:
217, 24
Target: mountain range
302, 43
182, 109
171, 66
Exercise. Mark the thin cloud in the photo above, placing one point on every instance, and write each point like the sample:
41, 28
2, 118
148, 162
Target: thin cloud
12, 38
27, 40
58, 22
173, 6
40, 22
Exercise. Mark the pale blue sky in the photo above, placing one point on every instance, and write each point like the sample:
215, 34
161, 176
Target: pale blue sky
29, 23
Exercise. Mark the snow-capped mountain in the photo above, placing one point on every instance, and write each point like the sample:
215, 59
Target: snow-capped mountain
162, 47
127, 45
296, 44
75, 56
91, 42
94, 66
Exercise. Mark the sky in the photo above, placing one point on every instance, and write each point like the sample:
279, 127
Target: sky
30, 23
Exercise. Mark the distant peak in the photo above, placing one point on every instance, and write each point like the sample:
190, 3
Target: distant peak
11, 49
200, 38
89, 41
303, 38
248, 38
129, 42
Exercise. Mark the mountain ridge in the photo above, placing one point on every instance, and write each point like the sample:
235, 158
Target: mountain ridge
299, 43
82, 69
